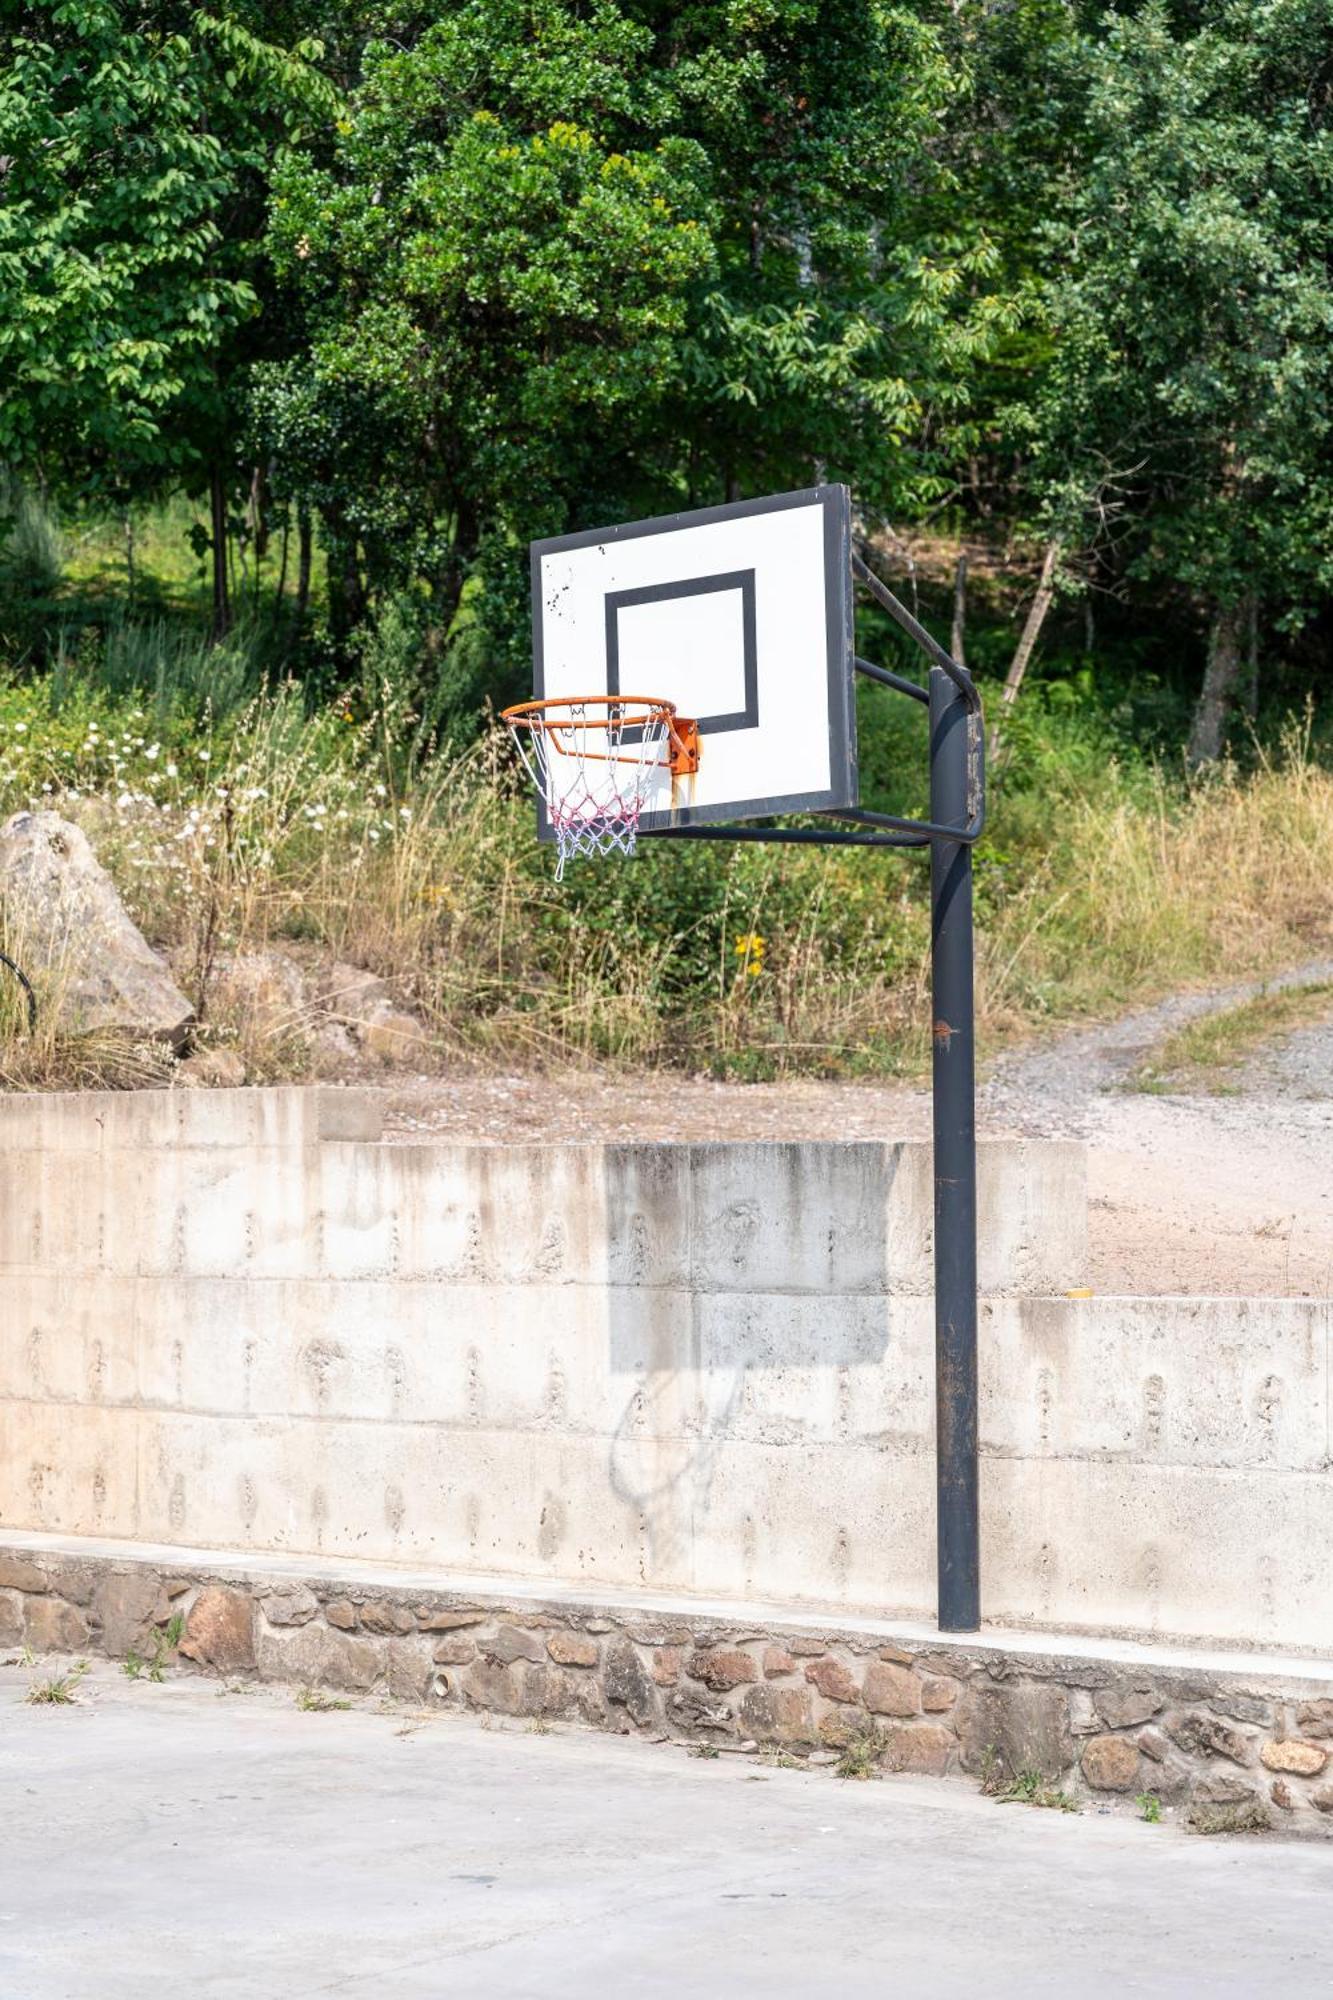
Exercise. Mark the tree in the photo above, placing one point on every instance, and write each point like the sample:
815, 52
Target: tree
1191, 307
135, 145
564, 265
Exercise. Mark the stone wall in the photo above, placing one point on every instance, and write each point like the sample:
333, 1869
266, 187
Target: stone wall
239, 1320
1234, 1745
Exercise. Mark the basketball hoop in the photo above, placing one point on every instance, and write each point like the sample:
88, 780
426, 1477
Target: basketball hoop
594, 759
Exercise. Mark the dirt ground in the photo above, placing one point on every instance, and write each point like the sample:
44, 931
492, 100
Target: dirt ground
1227, 1193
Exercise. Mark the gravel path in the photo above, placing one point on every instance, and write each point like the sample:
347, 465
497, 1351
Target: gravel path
1190, 1193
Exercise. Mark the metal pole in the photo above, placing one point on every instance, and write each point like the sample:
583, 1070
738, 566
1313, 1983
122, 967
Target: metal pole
954, 1111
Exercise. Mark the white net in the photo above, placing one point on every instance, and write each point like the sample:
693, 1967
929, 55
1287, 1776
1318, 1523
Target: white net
593, 762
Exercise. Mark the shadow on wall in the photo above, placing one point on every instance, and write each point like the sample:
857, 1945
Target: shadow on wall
763, 1307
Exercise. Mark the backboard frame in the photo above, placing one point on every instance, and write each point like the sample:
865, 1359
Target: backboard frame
841, 793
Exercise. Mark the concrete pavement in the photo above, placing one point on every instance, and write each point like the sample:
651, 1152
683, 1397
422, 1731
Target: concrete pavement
231, 1847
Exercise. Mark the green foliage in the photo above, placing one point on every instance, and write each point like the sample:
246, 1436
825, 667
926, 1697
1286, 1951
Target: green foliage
133, 145
402, 287
1187, 398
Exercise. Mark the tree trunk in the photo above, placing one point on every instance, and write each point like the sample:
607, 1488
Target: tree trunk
305, 544
221, 582
1023, 652
1252, 657
957, 633
1208, 730
280, 589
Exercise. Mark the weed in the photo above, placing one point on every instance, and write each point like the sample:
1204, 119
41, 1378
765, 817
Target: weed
992, 1776
1250, 1817
1029, 1788
539, 1726
862, 1754
1150, 1807
1205, 1054
313, 1701
61, 1690
165, 1641
705, 1750
779, 1759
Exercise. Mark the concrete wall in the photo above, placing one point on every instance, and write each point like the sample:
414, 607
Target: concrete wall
238, 1320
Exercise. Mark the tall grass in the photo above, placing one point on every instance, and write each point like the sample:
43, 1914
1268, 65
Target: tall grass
1100, 884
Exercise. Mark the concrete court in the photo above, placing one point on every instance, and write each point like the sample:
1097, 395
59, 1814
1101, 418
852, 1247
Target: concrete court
181, 1839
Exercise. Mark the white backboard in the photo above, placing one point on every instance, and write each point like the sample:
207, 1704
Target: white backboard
741, 616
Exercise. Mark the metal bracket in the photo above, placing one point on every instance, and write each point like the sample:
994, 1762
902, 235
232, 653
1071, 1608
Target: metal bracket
883, 829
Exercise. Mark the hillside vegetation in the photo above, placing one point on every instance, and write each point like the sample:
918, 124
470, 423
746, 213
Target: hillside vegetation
312, 316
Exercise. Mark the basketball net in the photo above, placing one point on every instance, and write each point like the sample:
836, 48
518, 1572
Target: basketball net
593, 763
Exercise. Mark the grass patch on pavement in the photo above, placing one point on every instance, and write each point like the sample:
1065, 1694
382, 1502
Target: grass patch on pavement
1205, 1055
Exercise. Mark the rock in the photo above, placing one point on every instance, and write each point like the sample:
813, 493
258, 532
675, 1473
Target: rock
1282, 1795
1240, 1707
1303, 1760
1111, 1763
219, 1631
1315, 1718
720, 1669
455, 1652
938, 1694
448, 1621
292, 1605
11, 1618
15, 1574
690, 1710
838, 1726
1220, 1789
411, 1669
1153, 1745
1024, 1723
395, 1037
310, 1655
550, 1690
1125, 1707
74, 1581
348, 993
354, 1664
891, 1689
259, 993
777, 1714
509, 1644
1202, 1735
488, 1684
382, 1615
124, 1605
896, 1656
667, 1662
573, 1649
211, 1069
833, 1680
341, 1614
1323, 1798
52, 1626
923, 1747
776, 1662
628, 1683
65, 909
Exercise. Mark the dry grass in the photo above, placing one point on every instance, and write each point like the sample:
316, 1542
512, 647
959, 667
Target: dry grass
297, 833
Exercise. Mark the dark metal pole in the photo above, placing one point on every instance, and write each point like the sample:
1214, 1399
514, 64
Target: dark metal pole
953, 1071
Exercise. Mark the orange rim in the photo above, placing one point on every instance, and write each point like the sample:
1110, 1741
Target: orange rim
682, 733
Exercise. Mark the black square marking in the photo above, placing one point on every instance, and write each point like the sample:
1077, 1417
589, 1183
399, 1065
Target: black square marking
741, 580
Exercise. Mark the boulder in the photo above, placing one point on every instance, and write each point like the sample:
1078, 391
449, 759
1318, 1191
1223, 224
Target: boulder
67, 927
